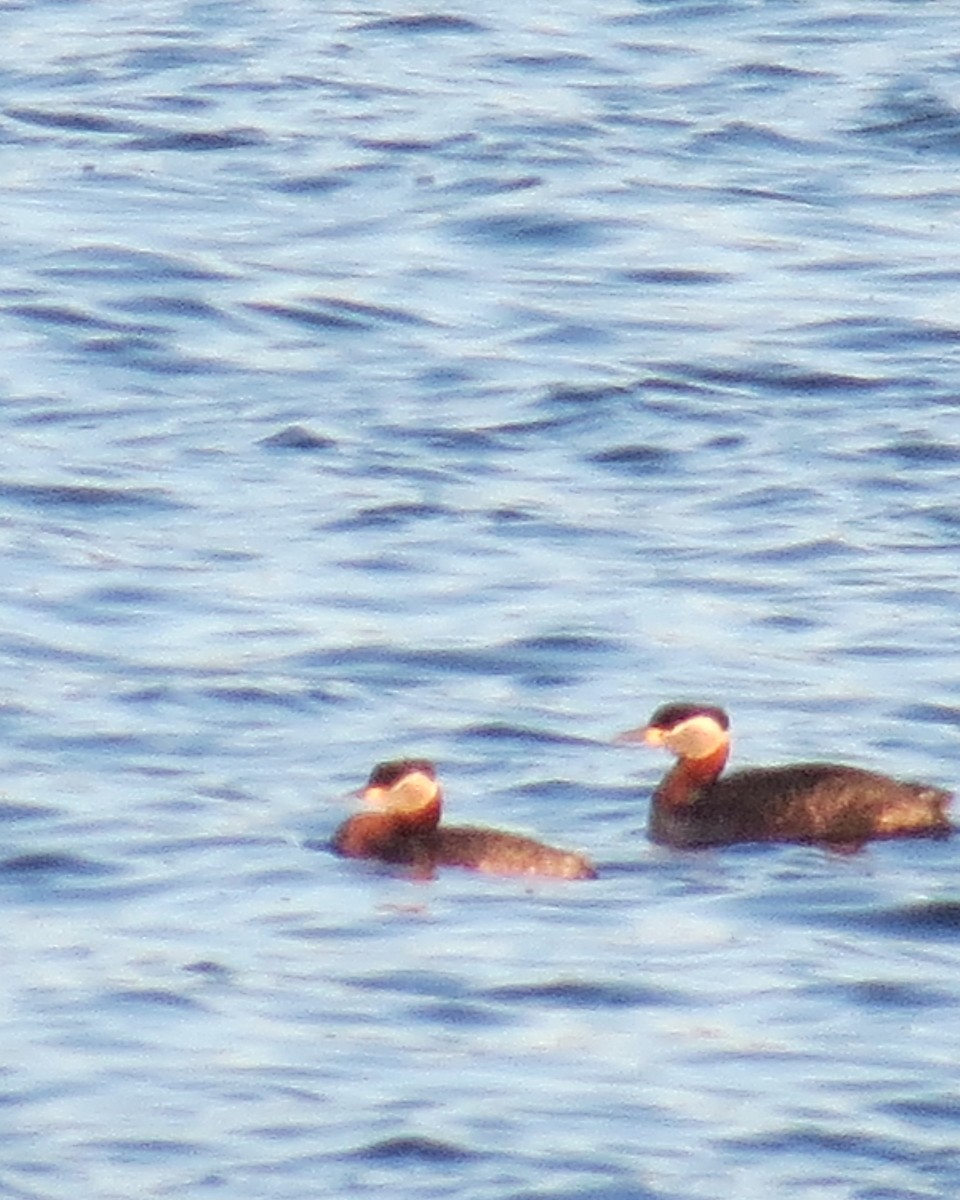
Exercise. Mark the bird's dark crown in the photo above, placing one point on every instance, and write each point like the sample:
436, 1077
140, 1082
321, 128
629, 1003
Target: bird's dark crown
668, 716
386, 774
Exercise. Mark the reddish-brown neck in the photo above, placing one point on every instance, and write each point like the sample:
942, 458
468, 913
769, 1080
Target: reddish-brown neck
684, 783
372, 834
417, 820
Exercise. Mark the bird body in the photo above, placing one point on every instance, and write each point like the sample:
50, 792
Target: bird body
406, 830
696, 805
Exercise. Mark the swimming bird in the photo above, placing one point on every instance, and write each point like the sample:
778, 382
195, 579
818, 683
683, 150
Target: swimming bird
404, 827
806, 802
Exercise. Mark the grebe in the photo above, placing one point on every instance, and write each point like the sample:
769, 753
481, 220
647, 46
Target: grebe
405, 828
806, 802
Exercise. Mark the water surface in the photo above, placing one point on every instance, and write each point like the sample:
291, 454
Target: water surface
427, 380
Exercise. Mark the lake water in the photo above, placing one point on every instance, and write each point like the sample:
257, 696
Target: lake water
465, 382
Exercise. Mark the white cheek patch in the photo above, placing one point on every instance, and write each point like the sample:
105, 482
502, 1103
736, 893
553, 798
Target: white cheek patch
698, 737
413, 792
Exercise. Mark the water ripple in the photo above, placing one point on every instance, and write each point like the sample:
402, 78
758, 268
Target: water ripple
500, 731
465, 383
639, 458
79, 121
911, 115
111, 262
193, 140
925, 919
413, 1149
52, 863
530, 231
579, 994
84, 497
424, 23
297, 437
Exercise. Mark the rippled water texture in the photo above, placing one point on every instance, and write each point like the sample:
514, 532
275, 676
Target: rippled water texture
463, 382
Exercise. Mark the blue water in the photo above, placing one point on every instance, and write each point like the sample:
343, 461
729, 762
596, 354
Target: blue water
465, 382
